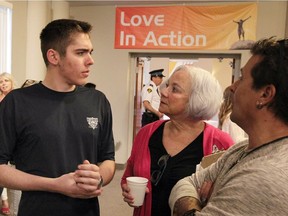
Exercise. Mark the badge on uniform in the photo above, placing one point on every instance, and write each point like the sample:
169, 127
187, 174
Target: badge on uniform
149, 90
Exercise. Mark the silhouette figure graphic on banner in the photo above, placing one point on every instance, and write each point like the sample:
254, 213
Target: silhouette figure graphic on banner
241, 31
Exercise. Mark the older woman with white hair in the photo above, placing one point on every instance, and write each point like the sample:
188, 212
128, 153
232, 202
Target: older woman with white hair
168, 150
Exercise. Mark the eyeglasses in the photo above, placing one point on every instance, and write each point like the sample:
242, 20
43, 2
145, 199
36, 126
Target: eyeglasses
157, 174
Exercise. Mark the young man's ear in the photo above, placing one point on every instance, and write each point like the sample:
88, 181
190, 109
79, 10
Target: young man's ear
53, 56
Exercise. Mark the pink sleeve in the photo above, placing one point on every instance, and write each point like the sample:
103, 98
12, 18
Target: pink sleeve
215, 139
139, 161
139, 139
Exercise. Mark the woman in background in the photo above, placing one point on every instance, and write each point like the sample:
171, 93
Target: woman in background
225, 123
167, 150
7, 84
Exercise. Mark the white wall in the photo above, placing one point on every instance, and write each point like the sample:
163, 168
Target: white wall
29, 17
19, 38
38, 14
111, 71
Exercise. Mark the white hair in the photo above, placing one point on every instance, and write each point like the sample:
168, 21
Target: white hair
205, 95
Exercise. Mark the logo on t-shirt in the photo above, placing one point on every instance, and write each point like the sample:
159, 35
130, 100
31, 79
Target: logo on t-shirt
92, 122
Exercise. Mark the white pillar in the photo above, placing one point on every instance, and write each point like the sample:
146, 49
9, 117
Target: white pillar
60, 10
38, 15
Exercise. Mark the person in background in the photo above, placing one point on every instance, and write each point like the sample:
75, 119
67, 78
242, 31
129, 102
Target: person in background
58, 132
151, 98
7, 84
225, 123
251, 177
168, 150
29, 82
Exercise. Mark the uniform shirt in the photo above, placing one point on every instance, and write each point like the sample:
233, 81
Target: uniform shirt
150, 93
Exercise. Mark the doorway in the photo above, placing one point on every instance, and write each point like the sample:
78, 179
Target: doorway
225, 67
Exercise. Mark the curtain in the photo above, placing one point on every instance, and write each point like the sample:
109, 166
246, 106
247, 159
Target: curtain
5, 38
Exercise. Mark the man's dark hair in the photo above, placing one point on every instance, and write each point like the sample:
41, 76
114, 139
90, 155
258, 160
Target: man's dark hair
58, 34
273, 69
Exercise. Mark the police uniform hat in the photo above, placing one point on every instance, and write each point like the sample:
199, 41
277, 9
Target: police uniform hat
157, 72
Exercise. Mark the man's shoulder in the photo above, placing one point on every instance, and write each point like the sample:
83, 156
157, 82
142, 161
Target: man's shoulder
91, 91
20, 91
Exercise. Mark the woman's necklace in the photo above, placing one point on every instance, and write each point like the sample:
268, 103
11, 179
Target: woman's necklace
246, 152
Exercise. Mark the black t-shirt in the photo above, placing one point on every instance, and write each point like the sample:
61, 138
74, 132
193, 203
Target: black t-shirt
48, 134
179, 166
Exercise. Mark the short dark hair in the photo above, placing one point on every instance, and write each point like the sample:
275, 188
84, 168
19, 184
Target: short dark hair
273, 69
58, 34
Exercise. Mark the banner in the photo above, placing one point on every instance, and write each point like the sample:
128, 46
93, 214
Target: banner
186, 27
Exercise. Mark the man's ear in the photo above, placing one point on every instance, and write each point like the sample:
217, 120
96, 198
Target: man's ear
268, 93
53, 56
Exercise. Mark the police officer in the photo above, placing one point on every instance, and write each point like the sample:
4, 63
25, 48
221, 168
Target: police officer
151, 98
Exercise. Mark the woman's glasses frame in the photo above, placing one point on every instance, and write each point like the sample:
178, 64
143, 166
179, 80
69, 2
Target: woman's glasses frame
157, 174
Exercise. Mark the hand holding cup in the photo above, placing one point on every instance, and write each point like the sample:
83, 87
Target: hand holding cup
137, 186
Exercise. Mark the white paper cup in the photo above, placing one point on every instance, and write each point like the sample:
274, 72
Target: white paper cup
137, 187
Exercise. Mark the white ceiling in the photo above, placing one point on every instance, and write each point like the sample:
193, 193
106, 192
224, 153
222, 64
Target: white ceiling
138, 2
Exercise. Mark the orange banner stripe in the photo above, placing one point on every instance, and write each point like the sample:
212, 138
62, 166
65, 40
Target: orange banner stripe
185, 27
